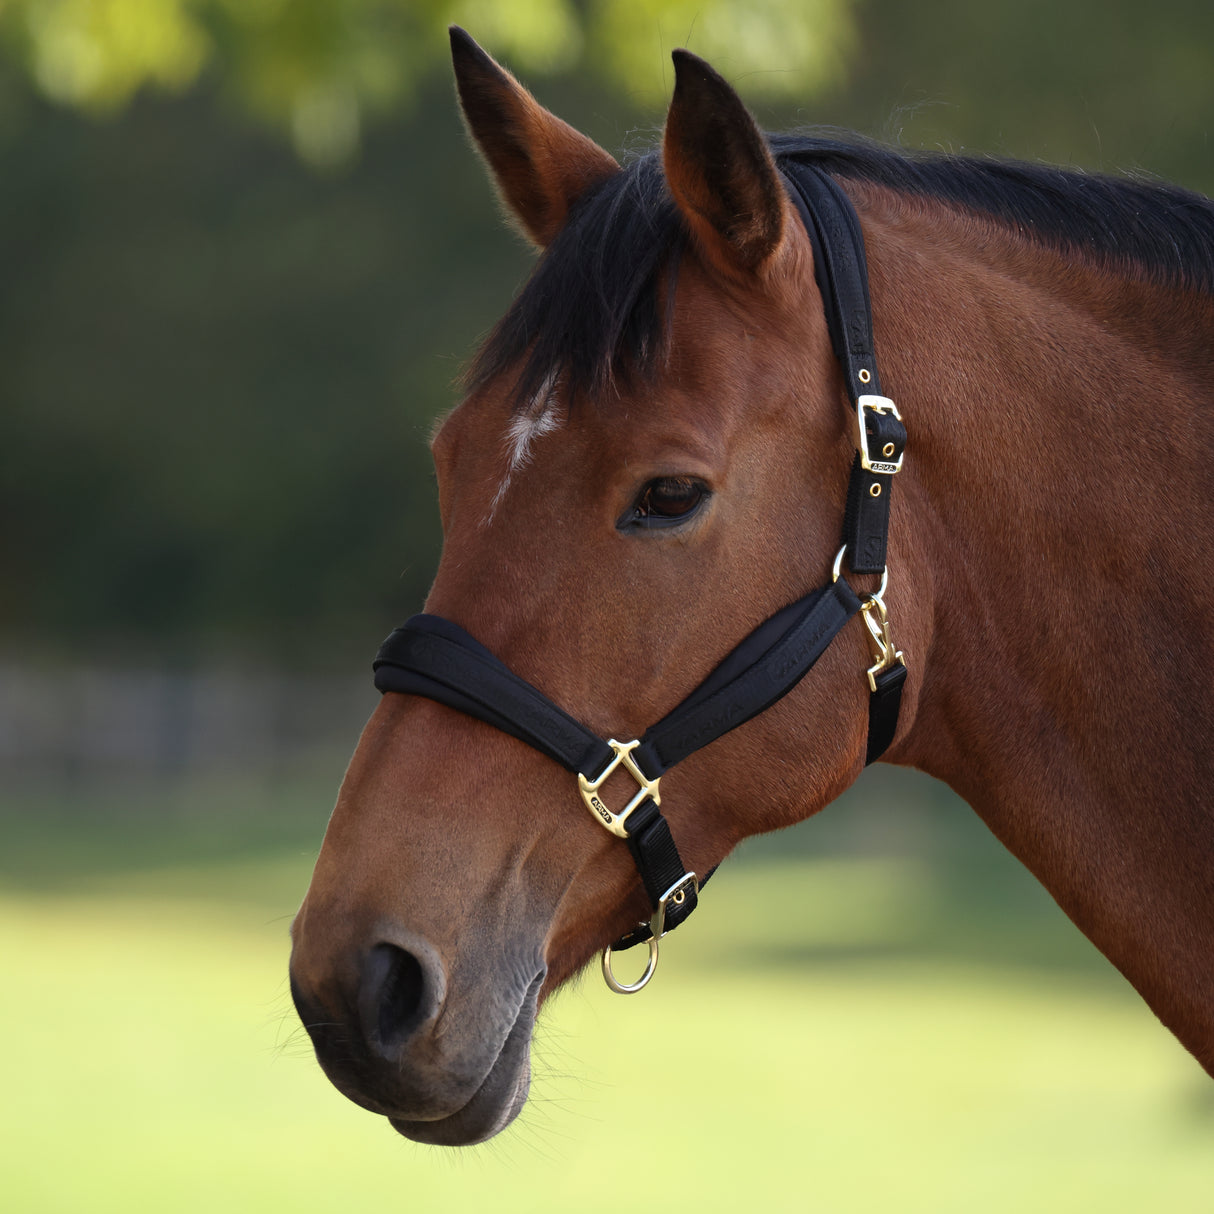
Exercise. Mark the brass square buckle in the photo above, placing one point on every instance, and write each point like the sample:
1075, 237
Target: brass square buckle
883, 405
617, 823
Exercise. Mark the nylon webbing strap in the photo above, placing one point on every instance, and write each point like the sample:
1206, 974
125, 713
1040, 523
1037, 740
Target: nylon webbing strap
711, 711
430, 656
866, 515
841, 271
660, 865
842, 274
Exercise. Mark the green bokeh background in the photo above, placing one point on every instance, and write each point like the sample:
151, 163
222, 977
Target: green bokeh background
244, 250
877, 1011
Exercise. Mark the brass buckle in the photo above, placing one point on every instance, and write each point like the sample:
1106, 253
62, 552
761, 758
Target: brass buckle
676, 894
880, 640
878, 404
617, 823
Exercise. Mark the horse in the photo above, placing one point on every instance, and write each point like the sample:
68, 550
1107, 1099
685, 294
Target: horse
651, 463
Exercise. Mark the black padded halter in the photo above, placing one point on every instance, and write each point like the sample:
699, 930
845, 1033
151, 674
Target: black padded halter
430, 656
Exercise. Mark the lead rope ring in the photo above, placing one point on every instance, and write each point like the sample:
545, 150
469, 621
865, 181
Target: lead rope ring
676, 895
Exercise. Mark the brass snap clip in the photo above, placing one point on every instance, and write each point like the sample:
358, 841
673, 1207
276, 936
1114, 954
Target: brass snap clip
880, 639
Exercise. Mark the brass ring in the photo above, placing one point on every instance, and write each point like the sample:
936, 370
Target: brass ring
874, 489
631, 988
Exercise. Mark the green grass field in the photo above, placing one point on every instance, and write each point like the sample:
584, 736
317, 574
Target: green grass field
874, 1013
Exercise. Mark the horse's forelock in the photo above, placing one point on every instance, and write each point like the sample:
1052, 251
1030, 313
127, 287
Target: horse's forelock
592, 314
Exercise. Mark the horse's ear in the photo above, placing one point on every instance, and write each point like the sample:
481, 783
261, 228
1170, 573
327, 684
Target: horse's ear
539, 164
720, 169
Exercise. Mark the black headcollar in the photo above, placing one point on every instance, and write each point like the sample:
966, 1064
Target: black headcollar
430, 656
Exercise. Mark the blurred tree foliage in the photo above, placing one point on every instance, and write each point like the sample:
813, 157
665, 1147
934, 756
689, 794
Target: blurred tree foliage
318, 68
218, 365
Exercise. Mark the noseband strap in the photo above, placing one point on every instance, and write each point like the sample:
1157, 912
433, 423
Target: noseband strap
433, 657
430, 656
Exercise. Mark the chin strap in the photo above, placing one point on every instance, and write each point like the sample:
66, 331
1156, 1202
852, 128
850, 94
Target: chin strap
433, 657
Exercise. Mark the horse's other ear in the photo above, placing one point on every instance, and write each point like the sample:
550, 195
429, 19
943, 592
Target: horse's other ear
539, 164
720, 169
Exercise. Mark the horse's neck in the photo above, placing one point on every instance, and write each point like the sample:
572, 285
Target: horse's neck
1059, 518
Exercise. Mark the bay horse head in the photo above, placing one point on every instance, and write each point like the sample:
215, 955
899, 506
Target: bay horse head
650, 466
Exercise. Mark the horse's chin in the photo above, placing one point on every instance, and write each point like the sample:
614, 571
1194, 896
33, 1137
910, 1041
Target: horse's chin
496, 1103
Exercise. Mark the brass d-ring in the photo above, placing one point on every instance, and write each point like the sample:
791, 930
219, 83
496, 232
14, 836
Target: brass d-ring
631, 988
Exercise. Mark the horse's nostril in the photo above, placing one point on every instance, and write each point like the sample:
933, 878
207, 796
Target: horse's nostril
391, 997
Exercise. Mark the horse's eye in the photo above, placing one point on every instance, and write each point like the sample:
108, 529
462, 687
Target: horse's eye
666, 501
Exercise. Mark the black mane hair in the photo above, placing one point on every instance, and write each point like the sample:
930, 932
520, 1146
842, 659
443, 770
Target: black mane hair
591, 315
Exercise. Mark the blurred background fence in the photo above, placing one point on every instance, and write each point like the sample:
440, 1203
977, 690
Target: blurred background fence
84, 723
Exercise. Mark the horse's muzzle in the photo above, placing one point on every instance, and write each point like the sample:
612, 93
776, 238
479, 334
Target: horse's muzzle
390, 1038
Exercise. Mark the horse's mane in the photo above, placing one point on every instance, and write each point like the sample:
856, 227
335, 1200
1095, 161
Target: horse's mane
591, 314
